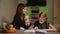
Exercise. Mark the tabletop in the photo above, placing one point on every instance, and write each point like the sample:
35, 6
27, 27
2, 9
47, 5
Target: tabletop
22, 32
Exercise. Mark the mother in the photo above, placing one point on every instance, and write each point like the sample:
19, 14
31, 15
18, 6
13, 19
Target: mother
18, 20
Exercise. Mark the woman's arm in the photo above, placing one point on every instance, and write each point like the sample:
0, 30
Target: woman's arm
21, 28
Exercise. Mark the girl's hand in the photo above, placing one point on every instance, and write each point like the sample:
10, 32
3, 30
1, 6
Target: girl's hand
36, 28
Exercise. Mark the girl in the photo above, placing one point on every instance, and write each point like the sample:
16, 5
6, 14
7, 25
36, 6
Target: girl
42, 23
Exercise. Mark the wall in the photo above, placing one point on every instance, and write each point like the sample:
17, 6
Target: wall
22, 1
7, 10
50, 10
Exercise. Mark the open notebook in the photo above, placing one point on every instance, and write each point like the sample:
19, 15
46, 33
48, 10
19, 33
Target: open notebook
33, 31
36, 31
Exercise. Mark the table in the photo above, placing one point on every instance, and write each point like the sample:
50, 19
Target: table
22, 32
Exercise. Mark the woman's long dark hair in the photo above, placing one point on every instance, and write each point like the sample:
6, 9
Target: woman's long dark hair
19, 13
19, 8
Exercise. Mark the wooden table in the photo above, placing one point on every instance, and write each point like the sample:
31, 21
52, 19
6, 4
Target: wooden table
22, 32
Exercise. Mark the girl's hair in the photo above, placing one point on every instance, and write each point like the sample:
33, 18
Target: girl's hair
41, 14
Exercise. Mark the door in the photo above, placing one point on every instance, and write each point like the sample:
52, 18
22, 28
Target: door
57, 14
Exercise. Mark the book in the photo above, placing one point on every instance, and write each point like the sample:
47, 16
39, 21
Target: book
36, 31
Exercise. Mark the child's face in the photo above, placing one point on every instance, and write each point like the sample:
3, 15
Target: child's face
27, 19
42, 17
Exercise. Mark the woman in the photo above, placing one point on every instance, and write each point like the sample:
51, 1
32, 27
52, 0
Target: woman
18, 20
42, 23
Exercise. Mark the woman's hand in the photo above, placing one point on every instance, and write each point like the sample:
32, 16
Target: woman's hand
21, 28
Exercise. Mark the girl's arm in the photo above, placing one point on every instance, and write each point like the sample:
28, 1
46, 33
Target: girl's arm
52, 27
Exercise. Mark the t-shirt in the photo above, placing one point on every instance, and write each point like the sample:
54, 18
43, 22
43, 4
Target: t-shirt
44, 25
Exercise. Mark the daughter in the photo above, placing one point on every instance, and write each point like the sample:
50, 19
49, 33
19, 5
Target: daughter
27, 23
